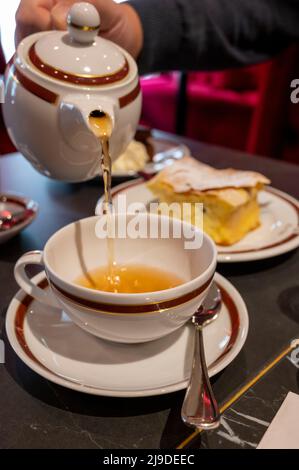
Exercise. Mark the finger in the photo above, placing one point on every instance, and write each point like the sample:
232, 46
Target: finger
32, 16
33, 11
59, 14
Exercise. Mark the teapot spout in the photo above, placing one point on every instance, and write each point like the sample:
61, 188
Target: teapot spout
83, 120
101, 124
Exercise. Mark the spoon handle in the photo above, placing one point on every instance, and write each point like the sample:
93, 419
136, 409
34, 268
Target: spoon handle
200, 408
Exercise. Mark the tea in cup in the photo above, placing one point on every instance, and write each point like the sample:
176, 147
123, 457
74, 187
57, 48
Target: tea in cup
157, 283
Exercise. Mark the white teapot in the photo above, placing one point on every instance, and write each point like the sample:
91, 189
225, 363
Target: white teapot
53, 84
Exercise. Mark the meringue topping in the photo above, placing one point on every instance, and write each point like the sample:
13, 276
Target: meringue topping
189, 174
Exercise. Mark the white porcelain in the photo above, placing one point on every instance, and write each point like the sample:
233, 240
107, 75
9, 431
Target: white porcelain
151, 167
277, 234
127, 318
16, 203
55, 348
81, 15
46, 112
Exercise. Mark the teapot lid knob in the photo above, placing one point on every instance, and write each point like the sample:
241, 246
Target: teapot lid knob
83, 22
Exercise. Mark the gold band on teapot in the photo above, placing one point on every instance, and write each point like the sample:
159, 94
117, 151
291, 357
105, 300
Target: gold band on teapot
83, 28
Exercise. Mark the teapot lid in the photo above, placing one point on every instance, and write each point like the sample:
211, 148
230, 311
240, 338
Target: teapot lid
80, 56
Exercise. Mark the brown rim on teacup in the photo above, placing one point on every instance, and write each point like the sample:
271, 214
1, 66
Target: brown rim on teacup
81, 292
152, 307
123, 317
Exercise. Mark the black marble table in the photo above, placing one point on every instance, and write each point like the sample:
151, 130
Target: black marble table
35, 413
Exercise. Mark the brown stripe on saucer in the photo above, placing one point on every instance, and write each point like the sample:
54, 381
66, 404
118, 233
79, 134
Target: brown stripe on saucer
77, 79
292, 236
265, 247
14, 200
235, 322
22, 311
132, 309
19, 322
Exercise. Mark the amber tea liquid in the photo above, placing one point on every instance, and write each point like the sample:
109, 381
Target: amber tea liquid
113, 278
101, 126
129, 279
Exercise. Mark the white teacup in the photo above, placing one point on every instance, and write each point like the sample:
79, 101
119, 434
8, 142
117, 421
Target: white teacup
126, 318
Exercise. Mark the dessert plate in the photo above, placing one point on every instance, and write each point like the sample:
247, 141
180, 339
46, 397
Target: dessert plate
161, 153
277, 234
53, 346
25, 208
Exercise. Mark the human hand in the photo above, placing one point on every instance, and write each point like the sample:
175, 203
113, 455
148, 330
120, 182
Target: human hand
119, 22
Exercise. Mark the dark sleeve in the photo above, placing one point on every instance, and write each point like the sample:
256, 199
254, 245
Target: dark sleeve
214, 34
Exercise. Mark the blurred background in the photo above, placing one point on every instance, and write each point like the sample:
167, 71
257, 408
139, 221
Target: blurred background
247, 109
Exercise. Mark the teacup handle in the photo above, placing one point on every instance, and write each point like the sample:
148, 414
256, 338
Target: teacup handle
32, 257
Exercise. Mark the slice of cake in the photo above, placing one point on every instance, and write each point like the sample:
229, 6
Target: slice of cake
229, 197
134, 158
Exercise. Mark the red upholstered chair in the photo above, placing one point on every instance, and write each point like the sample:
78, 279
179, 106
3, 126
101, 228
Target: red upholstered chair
274, 129
159, 101
291, 143
246, 109
220, 106
219, 110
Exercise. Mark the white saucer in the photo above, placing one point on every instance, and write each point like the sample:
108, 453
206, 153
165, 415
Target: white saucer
16, 203
277, 234
54, 347
158, 147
